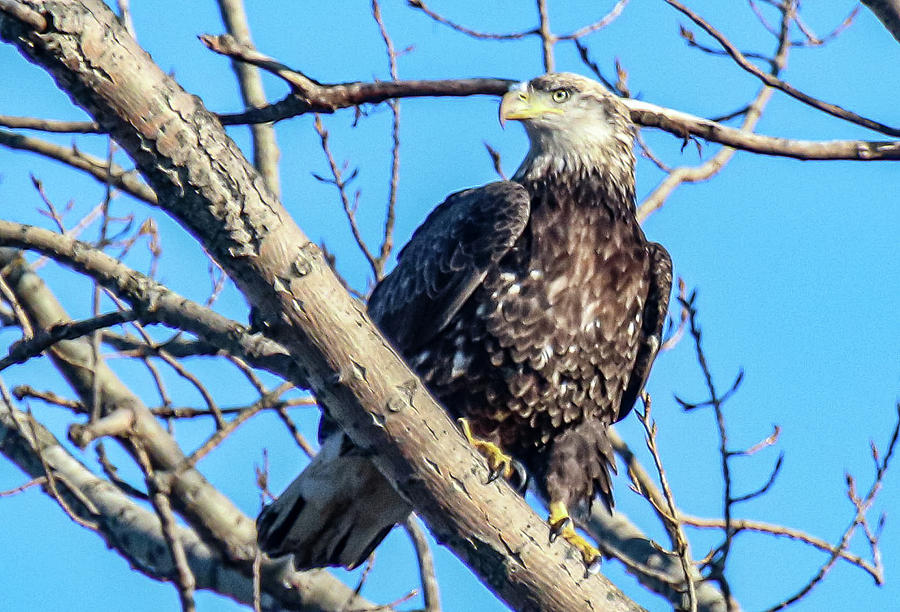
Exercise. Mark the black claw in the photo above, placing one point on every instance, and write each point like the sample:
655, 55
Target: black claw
496, 473
593, 567
557, 529
520, 477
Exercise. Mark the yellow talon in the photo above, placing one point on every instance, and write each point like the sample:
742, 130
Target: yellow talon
499, 463
561, 525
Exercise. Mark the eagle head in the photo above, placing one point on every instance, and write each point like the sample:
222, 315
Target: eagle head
574, 124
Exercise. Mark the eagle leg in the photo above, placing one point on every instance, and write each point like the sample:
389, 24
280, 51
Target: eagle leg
561, 525
499, 463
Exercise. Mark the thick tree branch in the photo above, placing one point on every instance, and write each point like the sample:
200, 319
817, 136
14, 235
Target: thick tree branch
135, 532
153, 302
685, 125
204, 182
888, 12
210, 513
616, 535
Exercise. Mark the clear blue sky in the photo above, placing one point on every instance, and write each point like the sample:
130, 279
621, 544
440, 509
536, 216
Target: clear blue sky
796, 264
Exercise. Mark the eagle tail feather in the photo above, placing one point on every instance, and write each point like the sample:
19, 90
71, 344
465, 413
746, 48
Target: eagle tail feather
335, 513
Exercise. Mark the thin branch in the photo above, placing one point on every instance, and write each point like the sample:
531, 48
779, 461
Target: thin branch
430, 591
134, 531
267, 401
419, 4
601, 23
547, 37
772, 81
53, 488
21, 318
50, 125
294, 430
387, 242
673, 524
226, 528
265, 147
24, 350
40, 480
127, 181
159, 487
311, 96
587, 61
786, 532
340, 183
25, 391
752, 115
184, 373
169, 308
862, 506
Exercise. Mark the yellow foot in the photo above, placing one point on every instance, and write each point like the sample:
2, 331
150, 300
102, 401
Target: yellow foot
561, 525
499, 463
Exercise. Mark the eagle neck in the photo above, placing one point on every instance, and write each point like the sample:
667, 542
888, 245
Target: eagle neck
597, 189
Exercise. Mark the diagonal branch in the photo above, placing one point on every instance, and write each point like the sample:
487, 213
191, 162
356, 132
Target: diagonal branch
218, 196
888, 12
96, 167
311, 96
131, 530
616, 536
209, 512
265, 147
773, 81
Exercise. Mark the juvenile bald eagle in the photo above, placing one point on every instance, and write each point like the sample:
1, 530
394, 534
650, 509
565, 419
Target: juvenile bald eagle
532, 309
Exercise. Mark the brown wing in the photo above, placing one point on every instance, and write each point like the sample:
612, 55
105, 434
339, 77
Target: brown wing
446, 259
656, 307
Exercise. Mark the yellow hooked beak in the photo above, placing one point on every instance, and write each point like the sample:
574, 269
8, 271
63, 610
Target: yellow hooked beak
518, 104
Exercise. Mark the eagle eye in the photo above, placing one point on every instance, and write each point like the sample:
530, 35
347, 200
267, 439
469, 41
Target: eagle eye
560, 95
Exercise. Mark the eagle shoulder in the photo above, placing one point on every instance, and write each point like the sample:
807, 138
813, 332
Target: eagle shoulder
446, 259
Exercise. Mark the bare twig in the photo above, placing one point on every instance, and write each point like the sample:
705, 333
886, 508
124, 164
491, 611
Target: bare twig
10, 297
861, 505
214, 440
547, 37
22, 391
340, 183
159, 486
601, 23
295, 431
127, 181
419, 4
586, 59
430, 590
715, 164
50, 125
387, 242
718, 561
782, 531
52, 487
673, 524
772, 81
26, 349
265, 147
40, 480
